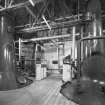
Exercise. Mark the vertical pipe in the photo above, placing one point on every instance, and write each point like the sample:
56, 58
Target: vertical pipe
73, 44
81, 54
78, 9
7, 55
19, 49
33, 57
73, 49
5, 3
58, 55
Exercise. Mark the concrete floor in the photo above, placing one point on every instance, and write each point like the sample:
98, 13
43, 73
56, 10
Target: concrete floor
44, 92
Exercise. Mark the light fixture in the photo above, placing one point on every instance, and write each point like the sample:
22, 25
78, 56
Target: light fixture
95, 81
101, 83
32, 3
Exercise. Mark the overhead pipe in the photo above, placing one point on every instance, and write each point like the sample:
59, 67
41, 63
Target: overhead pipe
26, 28
58, 19
48, 38
56, 25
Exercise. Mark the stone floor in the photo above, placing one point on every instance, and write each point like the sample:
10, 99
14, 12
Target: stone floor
44, 92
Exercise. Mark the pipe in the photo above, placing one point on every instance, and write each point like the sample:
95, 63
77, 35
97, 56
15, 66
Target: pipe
19, 49
58, 19
52, 26
5, 3
48, 38
73, 43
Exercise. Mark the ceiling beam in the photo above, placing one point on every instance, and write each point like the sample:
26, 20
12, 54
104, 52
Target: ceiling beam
54, 26
16, 6
49, 27
30, 11
42, 11
19, 5
56, 20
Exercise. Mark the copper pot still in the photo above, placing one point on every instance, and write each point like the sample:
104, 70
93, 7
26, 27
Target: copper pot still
89, 89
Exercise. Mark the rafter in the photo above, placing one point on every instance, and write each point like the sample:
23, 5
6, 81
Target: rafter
16, 6
31, 12
10, 3
58, 24
19, 5
42, 11
47, 8
46, 22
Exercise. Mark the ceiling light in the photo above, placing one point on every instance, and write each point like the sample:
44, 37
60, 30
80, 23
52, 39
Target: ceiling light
31, 1
95, 81
101, 83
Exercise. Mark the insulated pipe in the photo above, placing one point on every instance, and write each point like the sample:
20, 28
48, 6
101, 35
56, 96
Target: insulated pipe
7, 57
